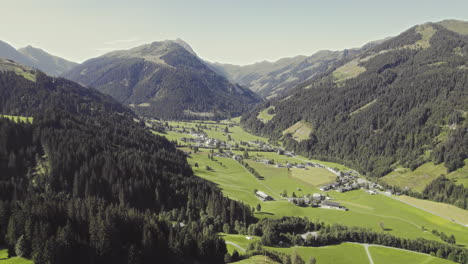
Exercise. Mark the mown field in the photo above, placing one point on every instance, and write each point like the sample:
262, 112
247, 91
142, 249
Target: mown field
382, 255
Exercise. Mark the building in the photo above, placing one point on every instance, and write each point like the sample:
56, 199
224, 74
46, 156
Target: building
333, 205
263, 196
318, 196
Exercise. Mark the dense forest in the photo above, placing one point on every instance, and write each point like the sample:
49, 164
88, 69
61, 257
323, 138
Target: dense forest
407, 107
85, 182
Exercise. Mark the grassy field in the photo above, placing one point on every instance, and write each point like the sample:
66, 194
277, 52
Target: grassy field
264, 116
16, 260
18, 118
257, 260
345, 253
447, 210
366, 210
299, 131
312, 176
348, 71
382, 255
418, 179
240, 240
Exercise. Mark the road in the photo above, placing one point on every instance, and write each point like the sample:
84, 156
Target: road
237, 246
366, 247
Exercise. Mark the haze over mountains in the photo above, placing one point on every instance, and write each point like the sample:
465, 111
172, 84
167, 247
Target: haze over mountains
36, 58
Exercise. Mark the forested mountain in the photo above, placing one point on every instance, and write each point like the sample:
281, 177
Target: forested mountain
271, 79
401, 103
164, 80
36, 58
86, 182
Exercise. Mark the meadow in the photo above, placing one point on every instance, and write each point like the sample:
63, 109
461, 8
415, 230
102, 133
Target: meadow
382, 255
418, 179
365, 210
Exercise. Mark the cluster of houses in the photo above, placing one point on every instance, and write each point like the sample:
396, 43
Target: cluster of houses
345, 181
316, 200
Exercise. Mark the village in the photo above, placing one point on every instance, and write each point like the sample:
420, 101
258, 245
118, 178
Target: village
345, 180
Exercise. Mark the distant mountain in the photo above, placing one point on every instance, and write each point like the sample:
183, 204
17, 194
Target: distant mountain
164, 80
270, 79
36, 58
46, 62
9, 52
400, 103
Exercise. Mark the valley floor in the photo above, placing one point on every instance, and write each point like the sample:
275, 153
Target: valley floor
402, 216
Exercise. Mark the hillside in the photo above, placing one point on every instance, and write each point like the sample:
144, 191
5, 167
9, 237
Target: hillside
399, 104
164, 80
86, 182
36, 58
272, 79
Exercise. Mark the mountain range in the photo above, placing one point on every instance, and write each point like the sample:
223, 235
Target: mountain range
164, 80
36, 58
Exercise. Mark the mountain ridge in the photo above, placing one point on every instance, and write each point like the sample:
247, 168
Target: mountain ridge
164, 80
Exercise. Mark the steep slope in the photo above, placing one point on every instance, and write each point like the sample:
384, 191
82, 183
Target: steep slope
164, 80
9, 52
400, 103
36, 58
85, 182
271, 79
46, 62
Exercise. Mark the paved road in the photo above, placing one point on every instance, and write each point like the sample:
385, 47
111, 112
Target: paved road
237, 246
408, 203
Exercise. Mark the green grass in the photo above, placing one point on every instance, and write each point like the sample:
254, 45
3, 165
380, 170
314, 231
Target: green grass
171, 135
240, 240
365, 210
257, 260
313, 176
16, 260
418, 179
345, 253
447, 210
382, 255
426, 32
264, 116
18, 119
348, 71
299, 131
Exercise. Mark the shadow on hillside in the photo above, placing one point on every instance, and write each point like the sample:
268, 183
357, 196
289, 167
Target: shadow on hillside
264, 213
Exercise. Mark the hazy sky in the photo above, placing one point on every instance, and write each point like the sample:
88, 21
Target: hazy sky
229, 31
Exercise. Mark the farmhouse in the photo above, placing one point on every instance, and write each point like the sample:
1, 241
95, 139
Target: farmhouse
318, 196
263, 196
333, 205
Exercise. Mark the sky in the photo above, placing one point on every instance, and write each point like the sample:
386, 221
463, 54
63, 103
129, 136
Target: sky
227, 31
